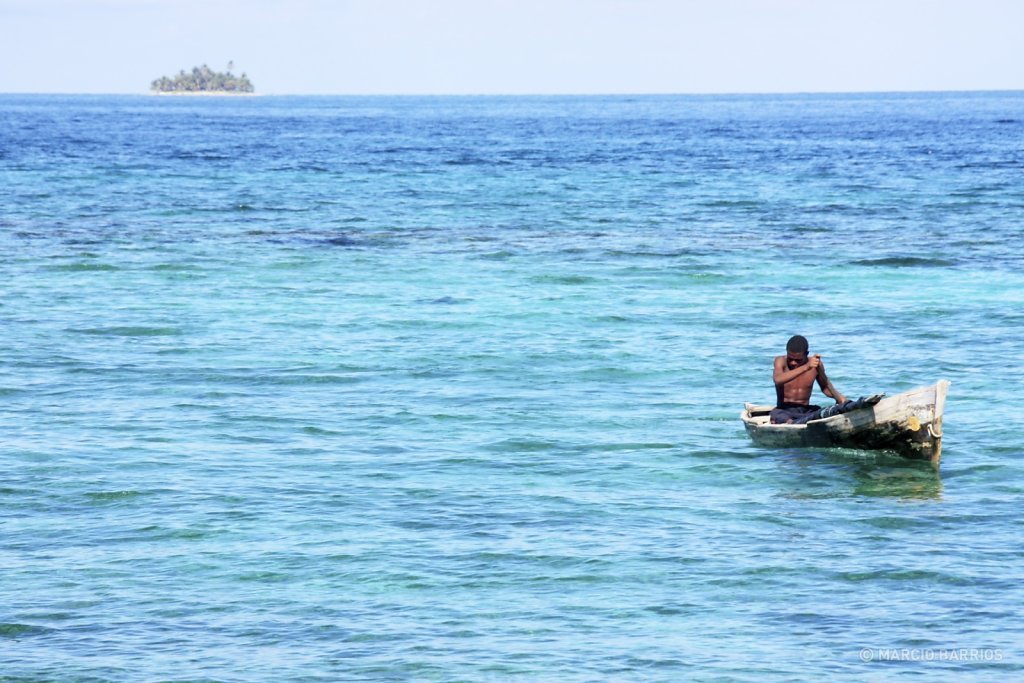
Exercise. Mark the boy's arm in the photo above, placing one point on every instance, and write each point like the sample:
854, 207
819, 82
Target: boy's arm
781, 375
827, 387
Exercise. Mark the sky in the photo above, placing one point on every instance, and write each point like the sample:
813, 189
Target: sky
517, 46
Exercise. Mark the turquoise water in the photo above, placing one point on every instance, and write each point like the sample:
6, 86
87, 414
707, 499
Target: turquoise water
448, 388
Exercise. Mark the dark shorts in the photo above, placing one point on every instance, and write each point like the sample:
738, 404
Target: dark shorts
797, 414
794, 413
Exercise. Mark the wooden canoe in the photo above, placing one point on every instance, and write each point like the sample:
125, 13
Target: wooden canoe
909, 424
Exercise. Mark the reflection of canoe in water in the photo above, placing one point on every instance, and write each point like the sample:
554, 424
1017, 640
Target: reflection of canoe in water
909, 424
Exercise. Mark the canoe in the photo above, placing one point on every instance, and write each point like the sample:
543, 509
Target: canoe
909, 424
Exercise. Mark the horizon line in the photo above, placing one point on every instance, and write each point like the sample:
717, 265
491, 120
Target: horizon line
739, 93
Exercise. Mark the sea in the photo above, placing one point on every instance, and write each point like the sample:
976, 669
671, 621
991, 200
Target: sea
448, 388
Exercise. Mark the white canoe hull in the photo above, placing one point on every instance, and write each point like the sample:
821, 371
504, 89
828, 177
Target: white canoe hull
909, 424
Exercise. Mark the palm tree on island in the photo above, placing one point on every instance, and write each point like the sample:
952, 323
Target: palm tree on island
204, 80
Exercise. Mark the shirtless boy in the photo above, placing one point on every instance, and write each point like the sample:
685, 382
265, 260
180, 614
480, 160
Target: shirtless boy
794, 375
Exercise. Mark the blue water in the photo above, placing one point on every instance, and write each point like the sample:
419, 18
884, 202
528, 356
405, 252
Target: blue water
318, 389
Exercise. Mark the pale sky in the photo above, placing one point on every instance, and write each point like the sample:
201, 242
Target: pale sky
517, 46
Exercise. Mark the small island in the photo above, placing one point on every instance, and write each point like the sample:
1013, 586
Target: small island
203, 81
